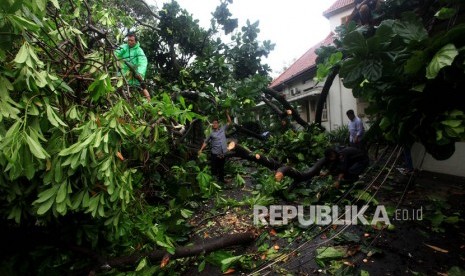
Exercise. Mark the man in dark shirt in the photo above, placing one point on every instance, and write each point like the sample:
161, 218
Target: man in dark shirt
349, 162
217, 140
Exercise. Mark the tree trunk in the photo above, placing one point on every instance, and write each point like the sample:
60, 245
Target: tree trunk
300, 176
206, 246
239, 151
281, 171
295, 115
324, 94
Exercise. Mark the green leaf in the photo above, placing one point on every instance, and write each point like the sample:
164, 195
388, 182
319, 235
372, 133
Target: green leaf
55, 4
415, 63
22, 54
372, 69
46, 195
41, 4
452, 123
410, 28
27, 163
36, 149
53, 117
331, 252
226, 263
365, 196
364, 273
444, 57
142, 264
201, 266
456, 271
385, 123
43, 208
445, 13
351, 72
62, 192
22, 23
185, 213
355, 44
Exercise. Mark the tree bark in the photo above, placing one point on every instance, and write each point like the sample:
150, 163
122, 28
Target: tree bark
281, 171
239, 151
324, 94
299, 176
295, 115
205, 246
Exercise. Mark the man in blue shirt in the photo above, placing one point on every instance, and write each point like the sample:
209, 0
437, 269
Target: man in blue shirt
217, 140
356, 129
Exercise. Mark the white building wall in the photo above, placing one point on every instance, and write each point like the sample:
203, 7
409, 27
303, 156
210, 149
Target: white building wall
455, 165
335, 20
340, 99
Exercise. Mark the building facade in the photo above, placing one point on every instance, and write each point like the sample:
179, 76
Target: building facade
298, 86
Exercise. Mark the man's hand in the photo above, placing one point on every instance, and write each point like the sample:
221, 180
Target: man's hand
228, 117
146, 94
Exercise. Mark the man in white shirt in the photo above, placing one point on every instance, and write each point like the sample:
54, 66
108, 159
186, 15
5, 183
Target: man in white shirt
356, 129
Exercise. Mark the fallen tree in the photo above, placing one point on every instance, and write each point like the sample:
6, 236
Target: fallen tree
237, 150
203, 247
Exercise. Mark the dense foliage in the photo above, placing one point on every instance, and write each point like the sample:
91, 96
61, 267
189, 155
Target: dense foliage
90, 169
408, 63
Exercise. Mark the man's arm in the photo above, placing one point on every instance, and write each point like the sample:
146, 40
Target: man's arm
119, 52
228, 118
142, 63
202, 147
204, 144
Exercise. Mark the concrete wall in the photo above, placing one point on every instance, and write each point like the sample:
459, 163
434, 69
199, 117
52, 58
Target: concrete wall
335, 20
455, 165
340, 99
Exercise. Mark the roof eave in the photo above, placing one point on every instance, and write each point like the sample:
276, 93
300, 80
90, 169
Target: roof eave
339, 10
282, 84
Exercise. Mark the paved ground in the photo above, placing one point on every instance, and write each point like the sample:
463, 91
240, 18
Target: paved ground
428, 236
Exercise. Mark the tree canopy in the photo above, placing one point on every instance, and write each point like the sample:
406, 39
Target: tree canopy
408, 63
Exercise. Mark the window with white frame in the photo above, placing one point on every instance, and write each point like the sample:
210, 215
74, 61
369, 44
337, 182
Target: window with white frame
324, 113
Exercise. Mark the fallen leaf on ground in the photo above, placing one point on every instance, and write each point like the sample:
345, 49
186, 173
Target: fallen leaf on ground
272, 232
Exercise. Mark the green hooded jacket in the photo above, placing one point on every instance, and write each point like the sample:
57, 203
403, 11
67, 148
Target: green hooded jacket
134, 56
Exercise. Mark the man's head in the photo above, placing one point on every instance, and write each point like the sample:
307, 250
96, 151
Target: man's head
350, 114
132, 39
331, 154
215, 123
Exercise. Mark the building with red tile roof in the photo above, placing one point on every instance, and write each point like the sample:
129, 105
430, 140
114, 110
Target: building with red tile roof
338, 7
303, 64
298, 86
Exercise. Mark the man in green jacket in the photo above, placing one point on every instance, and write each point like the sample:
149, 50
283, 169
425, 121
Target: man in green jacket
132, 55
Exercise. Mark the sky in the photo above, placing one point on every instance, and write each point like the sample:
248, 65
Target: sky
294, 26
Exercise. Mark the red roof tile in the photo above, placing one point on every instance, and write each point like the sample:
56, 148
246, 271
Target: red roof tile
337, 6
305, 62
